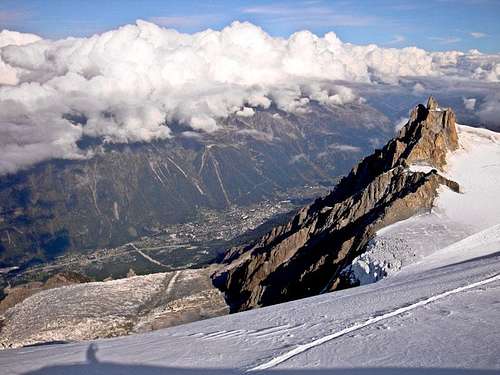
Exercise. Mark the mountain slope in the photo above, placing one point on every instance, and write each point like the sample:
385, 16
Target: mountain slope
113, 308
475, 167
126, 191
389, 327
305, 256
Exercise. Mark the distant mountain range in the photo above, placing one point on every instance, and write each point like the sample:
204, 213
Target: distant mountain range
127, 191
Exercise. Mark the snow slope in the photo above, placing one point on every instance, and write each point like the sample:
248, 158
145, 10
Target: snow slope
438, 315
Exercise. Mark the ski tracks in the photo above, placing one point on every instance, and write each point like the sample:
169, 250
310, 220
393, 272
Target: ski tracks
373, 320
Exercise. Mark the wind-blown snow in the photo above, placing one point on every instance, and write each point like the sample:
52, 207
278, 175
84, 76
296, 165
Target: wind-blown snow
129, 84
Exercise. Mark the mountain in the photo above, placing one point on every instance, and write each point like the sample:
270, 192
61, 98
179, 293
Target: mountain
18, 294
305, 256
437, 315
454, 235
127, 191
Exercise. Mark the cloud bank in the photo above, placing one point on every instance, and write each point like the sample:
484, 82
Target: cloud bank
129, 84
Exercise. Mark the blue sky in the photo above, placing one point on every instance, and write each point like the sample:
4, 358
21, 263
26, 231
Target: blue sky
429, 24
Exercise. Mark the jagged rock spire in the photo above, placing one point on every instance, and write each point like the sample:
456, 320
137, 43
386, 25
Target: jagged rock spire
432, 103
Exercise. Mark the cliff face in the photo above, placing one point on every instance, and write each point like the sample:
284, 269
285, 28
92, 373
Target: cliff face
304, 257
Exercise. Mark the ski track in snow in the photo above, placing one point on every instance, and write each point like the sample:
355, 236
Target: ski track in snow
454, 249
302, 348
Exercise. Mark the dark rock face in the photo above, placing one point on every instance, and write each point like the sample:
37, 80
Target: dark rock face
305, 256
126, 191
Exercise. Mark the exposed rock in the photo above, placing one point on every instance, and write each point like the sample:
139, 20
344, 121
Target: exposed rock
305, 256
432, 103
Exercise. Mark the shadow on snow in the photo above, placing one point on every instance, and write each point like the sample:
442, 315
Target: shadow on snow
94, 367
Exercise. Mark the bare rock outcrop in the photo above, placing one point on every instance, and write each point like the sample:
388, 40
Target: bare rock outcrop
304, 257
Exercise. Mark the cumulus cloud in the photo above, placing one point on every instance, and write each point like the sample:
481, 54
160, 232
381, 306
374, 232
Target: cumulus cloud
8, 74
469, 103
129, 84
400, 123
489, 110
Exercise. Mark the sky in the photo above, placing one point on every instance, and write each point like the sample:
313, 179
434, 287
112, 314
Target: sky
434, 25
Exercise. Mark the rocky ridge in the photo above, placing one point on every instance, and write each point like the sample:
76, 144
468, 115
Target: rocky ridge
305, 256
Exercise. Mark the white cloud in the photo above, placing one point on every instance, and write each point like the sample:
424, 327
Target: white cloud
309, 13
445, 40
184, 21
345, 148
400, 123
18, 39
477, 34
489, 110
246, 112
397, 39
256, 134
418, 88
127, 85
298, 158
8, 75
469, 103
